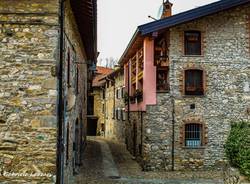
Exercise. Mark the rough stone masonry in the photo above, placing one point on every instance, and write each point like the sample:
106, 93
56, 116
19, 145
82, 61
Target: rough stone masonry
225, 62
29, 34
28, 88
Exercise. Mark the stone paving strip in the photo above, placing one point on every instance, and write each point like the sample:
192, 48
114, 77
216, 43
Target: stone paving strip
108, 162
109, 167
169, 181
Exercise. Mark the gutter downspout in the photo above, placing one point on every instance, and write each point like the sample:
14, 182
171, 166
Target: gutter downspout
141, 132
128, 76
112, 80
128, 91
173, 123
60, 107
173, 133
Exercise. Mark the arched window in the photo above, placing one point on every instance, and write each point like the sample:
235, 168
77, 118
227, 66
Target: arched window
193, 135
194, 82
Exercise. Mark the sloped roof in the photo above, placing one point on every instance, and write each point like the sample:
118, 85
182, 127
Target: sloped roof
190, 15
181, 18
100, 74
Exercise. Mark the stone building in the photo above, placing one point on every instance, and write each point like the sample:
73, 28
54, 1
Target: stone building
115, 107
187, 77
96, 114
47, 48
109, 108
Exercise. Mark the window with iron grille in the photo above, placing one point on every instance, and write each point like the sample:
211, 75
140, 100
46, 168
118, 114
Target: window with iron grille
194, 82
192, 42
193, 135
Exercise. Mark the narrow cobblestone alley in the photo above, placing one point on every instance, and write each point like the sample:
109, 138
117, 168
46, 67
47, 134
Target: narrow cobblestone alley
107, 162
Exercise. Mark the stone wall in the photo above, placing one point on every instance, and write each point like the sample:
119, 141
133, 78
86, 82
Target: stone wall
226, 63
98, 109
29, 38
109, 110
75, 93
119, 125
149, 134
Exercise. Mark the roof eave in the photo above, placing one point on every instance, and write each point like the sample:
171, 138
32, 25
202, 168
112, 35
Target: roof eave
131, 42
190, 15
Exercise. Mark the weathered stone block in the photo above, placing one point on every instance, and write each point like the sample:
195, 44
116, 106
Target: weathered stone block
49, 84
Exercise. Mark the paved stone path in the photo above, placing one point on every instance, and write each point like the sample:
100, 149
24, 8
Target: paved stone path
108, 162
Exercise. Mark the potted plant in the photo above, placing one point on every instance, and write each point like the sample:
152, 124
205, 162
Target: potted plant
139, 95
132, 99
126, 98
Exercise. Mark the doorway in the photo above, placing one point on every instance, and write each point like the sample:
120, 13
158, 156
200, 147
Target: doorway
91, 127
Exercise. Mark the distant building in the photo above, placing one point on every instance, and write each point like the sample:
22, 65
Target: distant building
109, 115
47, 51
115, 107
97, 109
187, 77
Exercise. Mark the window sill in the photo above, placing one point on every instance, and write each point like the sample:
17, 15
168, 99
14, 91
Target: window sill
163, 91
194, 148
193, 56
194, 96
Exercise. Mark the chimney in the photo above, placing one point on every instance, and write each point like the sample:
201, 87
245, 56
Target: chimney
167, 9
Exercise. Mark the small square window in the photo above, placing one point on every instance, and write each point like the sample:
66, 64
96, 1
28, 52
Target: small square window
192, 106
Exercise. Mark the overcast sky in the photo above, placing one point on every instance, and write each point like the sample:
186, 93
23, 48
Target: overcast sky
118, 20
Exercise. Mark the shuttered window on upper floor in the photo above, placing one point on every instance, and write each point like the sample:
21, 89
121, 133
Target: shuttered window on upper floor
192, 43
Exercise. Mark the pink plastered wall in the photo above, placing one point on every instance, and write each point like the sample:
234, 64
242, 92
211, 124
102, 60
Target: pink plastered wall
149, 77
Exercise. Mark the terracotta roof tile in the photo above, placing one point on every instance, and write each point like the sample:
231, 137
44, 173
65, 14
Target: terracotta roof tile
100, 73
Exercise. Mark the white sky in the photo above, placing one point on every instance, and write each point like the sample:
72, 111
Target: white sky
118, 20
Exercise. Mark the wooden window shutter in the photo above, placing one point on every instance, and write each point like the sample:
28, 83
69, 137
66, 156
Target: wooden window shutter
182, 134
204, 82
181, 82
205, 134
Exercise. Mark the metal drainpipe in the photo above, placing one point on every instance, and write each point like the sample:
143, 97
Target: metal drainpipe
60, 107
128, 76
173, 124
104, 91
141, 132
128, 92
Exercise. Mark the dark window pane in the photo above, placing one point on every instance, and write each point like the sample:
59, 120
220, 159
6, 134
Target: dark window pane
192, 43
162, 79
194, 82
